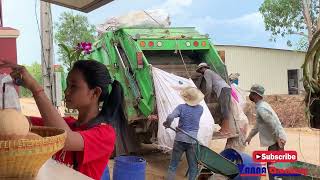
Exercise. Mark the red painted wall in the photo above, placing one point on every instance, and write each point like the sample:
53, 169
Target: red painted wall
8, 47
8, 51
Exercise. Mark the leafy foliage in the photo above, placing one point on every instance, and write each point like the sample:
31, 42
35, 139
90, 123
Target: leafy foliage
288, 17
69, 30
36, 72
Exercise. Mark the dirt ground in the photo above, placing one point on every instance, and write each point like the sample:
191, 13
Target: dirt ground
289, 108
303, 140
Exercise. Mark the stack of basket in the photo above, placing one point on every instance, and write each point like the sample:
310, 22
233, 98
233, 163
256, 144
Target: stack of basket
24, 157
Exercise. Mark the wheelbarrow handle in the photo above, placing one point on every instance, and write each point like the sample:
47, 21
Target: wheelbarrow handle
184, 132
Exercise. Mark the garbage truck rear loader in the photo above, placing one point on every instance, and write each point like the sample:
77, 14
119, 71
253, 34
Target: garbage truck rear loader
130, 53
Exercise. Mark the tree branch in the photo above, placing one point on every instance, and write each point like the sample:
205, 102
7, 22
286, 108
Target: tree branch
299, 33
307, 17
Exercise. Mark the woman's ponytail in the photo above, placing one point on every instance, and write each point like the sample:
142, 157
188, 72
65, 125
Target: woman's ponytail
113, 106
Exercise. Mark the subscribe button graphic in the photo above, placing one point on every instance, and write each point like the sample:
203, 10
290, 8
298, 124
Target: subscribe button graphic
274, 156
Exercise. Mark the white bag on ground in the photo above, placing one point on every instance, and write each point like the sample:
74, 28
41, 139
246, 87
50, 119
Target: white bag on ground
167, 88
146, 19
11, 98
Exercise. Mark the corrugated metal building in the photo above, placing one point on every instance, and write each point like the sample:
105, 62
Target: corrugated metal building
279, 71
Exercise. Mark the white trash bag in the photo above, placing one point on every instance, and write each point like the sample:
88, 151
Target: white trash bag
10, 98
167, 89
146, 19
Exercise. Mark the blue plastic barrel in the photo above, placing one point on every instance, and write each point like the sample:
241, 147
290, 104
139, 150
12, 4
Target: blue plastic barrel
129, 167
106, 174
244, 160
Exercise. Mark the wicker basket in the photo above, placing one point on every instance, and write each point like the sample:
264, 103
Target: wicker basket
24, 158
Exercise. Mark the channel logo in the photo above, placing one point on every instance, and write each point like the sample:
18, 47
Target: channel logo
260, 169
274, 156
252, 169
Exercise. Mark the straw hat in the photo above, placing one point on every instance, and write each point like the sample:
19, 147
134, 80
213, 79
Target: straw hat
192, 95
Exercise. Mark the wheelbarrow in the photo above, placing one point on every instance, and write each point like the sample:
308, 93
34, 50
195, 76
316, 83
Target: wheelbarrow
211, 160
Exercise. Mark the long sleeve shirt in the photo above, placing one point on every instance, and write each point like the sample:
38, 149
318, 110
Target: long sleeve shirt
268, 125
214, 82
189, 121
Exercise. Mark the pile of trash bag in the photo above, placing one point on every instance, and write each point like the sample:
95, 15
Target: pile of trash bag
145, 19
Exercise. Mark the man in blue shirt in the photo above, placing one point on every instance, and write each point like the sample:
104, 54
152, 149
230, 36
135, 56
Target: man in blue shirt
189, 117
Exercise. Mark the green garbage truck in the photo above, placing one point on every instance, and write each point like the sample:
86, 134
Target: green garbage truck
130, 53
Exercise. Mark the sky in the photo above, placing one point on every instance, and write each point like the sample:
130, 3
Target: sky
228, 22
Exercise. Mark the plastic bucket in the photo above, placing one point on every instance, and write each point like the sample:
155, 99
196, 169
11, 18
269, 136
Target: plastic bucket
129, 167
244, 160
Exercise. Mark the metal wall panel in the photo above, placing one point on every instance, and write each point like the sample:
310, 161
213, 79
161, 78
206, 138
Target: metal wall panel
267, 67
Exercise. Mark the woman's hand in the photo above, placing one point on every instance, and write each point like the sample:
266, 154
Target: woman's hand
20, 73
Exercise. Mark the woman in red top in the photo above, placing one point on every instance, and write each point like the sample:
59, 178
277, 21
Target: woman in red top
91, 138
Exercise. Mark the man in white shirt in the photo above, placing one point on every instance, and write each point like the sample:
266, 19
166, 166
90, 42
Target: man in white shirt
271, 132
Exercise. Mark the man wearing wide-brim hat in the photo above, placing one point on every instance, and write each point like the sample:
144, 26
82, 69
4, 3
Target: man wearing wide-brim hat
214, 83
271, 132
189, 115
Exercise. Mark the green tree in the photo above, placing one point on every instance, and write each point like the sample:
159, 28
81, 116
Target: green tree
70, 30
291, 17
36, 72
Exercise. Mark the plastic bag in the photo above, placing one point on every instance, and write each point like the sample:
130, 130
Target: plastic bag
241, 95
146, 19
166, 102
10, 98
242, 122
234, 93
